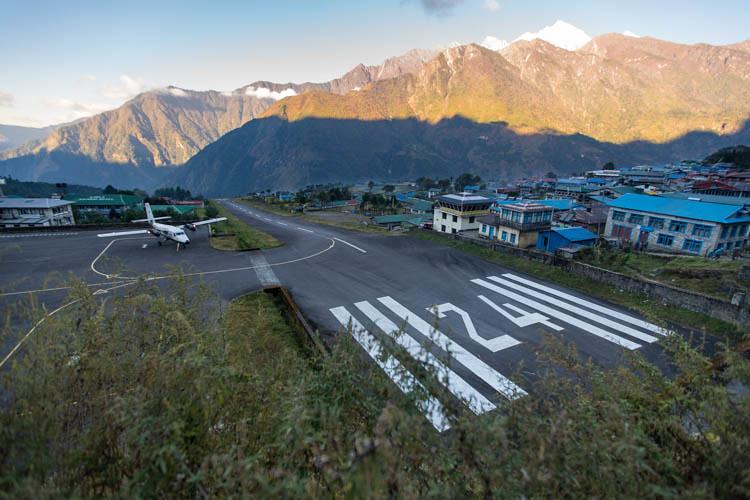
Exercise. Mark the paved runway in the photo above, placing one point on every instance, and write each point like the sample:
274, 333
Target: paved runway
489, 318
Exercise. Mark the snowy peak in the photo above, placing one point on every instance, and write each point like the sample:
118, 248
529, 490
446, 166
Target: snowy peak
561, 34
493, 43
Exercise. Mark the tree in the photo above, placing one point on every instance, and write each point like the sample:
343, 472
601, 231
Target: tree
110, 189
370, 185
608, 166
466, 179
551, 175
389, 188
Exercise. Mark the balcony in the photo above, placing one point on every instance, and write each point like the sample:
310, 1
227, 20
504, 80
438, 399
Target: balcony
526, 226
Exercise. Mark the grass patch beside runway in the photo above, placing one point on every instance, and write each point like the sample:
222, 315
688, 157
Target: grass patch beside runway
652, 309
234, 235
159, 394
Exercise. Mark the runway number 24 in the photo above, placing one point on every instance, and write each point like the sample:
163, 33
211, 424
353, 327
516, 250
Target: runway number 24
504, 341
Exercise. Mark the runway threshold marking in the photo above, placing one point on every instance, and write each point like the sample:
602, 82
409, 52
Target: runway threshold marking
351, 245
463, 391
430, 407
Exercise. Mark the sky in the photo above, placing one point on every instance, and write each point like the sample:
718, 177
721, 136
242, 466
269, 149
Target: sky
62, 60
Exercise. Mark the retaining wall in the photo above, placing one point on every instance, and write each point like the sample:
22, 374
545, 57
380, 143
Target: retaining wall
737, 313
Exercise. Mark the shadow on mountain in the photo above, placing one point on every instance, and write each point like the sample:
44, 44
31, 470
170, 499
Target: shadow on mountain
58, 166
278, 154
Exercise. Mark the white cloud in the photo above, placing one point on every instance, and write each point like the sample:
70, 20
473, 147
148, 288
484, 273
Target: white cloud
494, 43
492, 5
88, 78
264, 93
127, 88
6, 99
561, 34
177, 92
630, 34
75, 110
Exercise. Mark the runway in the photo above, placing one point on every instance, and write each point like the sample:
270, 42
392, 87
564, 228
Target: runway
430, 299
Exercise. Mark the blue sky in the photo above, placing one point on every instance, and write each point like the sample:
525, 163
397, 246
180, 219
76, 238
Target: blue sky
67, 59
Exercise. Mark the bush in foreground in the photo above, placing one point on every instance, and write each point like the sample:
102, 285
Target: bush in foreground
156, 394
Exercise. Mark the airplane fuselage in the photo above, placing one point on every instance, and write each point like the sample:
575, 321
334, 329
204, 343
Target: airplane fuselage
168, 232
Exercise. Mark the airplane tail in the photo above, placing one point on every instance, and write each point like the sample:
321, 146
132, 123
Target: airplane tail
149, 213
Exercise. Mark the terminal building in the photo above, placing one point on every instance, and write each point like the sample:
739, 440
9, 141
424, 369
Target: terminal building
454, 213
35, 212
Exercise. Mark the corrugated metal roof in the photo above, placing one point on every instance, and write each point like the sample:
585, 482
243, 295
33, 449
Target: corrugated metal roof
106, 200
697, 210
559, 204
32, 203
575, 233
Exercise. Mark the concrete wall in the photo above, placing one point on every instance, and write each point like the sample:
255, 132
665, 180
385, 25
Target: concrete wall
462, 222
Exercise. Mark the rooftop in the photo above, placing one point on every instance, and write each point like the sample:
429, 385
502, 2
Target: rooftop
106, 200
33, 203
689, 209
575, 233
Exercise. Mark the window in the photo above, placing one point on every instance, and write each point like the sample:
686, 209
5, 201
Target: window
442, 228
622, 232
484, 228
618, 216
635, 219
665, 240
733, 232
724, 232
742, 230
702, 231
504, 236
692, 246
737, 244
455, 218
445, 216
719, 246
677, 226
453, 230
512, 237
471, 220
656, 222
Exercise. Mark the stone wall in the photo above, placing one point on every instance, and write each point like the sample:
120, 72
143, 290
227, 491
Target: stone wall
736, 311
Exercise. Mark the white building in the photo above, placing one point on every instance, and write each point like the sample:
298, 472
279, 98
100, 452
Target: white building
30, 212
454, 213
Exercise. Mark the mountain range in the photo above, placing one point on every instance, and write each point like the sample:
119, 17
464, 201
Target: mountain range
13, 136
552, 100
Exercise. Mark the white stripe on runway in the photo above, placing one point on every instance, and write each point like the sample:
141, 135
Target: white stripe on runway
591, 305
455, 384
353, 246
303, 229
496, 380
431, 408
595, 330
282, 223
576, 310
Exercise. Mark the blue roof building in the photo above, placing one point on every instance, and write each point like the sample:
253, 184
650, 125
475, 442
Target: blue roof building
555, 238
678, 225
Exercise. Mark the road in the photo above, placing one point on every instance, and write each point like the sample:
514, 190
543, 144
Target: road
491, 319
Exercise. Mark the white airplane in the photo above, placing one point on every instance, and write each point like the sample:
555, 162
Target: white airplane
164, 231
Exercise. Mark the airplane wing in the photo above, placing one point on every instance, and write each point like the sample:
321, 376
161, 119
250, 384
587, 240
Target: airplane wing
204, 222
124, 233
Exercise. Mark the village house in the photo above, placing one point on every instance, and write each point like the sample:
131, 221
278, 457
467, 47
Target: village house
517, 224
677, 225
